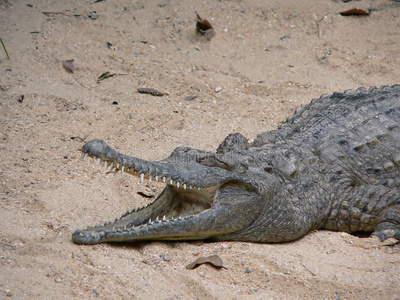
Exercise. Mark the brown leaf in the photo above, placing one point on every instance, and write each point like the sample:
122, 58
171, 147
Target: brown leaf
203, 27
214, 260
151, 91
355, 12
111, 46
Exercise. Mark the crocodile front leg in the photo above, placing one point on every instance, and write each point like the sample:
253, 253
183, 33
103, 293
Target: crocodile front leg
388, 223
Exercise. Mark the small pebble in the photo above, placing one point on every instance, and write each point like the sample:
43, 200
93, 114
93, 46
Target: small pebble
8, 292
218, 89
190, 98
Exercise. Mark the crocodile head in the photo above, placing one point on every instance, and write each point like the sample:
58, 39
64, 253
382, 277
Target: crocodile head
207, 195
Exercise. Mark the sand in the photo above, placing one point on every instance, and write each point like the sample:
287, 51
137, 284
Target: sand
265, 60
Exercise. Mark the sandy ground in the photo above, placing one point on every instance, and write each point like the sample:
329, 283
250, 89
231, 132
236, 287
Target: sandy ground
269, 57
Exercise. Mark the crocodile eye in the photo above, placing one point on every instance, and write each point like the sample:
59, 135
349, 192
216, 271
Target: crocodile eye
268, 169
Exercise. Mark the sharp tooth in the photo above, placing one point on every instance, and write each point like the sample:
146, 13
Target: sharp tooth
157, 220
117, 165
171, 182
180, 219
105, 164
164, 219
164, 179
84, 157
190, 187
184, 186
150, 222
149, 177
177, 184
94, 158
98, 161
198, 188
142, 177
172, 219
122, 169
156, 177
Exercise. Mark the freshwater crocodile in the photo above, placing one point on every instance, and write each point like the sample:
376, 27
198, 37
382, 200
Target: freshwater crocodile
334, 164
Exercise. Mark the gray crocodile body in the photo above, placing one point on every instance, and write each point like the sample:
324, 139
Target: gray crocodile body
335, 164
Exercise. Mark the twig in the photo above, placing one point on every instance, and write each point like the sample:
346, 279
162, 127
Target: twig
4, 47
319, 26
312, 273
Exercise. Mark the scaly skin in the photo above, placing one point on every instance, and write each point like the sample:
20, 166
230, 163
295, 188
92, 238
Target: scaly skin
335, 164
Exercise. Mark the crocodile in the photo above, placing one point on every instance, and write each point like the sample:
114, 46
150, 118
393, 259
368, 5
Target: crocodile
333, 165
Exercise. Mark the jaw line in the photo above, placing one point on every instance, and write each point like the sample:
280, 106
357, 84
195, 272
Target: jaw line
178, 199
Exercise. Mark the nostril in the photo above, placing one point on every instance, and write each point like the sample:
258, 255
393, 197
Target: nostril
241, 168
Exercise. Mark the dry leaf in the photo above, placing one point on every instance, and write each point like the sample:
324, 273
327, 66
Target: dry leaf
354, 12
203, 27
152, 91
190, 98
4, 87
68, 65
93, 15
111, 46
105, 76
215, 260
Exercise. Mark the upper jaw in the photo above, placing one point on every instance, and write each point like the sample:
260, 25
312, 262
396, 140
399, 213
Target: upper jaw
180, 171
